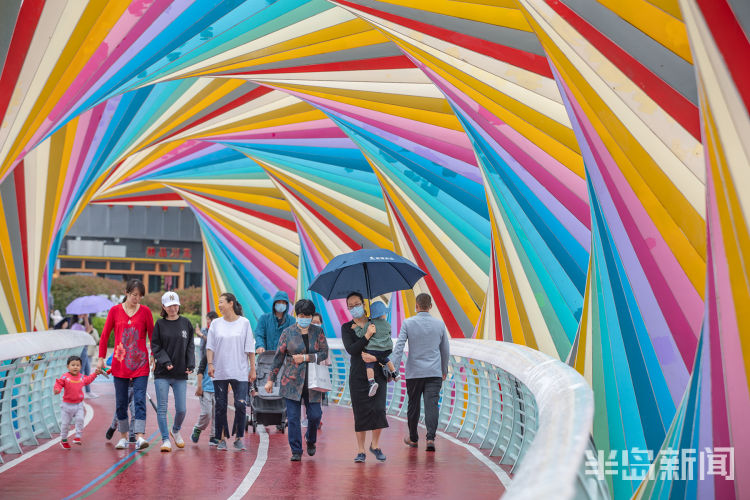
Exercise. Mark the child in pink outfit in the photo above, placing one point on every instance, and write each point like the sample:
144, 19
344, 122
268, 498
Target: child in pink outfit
72, 404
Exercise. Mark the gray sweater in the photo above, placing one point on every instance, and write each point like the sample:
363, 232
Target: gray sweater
429, 349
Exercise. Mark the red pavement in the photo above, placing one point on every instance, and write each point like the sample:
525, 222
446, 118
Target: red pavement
98, 470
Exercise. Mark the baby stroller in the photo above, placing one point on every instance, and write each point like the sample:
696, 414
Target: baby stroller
266, 408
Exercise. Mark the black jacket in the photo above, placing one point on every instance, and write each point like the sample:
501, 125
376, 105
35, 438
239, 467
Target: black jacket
172, 343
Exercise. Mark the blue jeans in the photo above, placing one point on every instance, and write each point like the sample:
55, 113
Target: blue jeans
221, 388
179, 389
86, 367
139, 403
293, 411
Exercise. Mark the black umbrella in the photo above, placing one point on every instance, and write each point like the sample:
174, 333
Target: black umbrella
371, 272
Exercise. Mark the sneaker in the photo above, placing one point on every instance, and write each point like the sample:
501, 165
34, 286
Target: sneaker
430, 446
360, 458
311, 448
373, 388
222, 445
379, 455
122, 444
408, 442
296, 457
304, 423
166, 446
132, 439
195, 435
92, 395
141, 444
239, 445
177, 439
77, 440
110, 432
65, 445
213, 442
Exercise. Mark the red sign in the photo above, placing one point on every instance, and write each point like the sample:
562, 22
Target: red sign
169, 253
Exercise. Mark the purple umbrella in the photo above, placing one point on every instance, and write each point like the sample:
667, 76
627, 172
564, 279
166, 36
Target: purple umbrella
88, 305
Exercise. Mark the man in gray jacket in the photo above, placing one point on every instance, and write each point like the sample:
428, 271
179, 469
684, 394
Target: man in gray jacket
426, 367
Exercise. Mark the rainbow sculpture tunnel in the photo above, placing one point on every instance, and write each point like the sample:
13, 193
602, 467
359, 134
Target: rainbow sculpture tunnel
574, 175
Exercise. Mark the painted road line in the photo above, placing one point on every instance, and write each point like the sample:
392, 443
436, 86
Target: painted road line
254, 472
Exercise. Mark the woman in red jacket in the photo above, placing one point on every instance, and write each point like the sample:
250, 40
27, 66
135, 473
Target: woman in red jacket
132, 323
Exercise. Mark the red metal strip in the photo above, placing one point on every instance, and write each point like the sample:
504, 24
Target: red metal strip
26, 22
674, 103
522, 59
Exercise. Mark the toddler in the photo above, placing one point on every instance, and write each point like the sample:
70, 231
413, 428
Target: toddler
380, 344
72, 404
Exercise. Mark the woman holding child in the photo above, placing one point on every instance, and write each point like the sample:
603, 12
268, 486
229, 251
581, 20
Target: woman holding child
369, 411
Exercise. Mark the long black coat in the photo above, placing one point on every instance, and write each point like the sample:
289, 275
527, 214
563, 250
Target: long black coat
369, 412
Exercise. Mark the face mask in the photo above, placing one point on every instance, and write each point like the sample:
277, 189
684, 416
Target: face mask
304, 322
357, 312
279, 308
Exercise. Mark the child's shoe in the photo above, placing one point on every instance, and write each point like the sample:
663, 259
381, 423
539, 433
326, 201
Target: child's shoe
373, 387
213, 442
195, 435
65, 445
77, 440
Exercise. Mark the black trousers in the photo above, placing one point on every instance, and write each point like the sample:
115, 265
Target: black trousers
416, 389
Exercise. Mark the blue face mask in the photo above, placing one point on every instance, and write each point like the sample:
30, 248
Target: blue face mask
357, 312
304, 322
279, 307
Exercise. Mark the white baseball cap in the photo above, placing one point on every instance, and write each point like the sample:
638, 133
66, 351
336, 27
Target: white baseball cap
170, 299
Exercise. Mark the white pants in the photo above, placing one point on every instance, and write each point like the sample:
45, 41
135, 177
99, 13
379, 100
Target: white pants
207, 412
68, 412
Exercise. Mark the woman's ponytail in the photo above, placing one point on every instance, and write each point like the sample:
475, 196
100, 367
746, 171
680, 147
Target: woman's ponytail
237, 308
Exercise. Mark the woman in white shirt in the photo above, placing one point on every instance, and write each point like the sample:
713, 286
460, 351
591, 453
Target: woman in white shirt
230, 351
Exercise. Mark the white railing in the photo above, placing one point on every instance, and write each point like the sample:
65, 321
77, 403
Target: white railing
529, 410
29, 364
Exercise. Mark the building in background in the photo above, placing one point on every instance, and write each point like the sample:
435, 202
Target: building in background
160, 245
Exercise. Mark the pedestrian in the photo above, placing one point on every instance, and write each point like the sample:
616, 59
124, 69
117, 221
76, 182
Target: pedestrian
71, 408
271, 324
81, 323
380, 345
230, 351
132, 324
369, 412
205, 391
299, 344
426, 368
174, 359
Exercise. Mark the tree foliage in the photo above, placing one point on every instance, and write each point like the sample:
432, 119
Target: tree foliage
66, 288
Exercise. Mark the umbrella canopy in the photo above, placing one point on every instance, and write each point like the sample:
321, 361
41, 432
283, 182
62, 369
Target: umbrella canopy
88, 305
371, 272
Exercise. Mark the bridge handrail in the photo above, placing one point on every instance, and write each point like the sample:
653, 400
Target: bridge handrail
29, 364
20, 345
532, 411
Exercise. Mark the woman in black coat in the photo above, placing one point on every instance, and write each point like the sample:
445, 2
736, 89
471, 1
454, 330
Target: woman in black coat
369, 412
